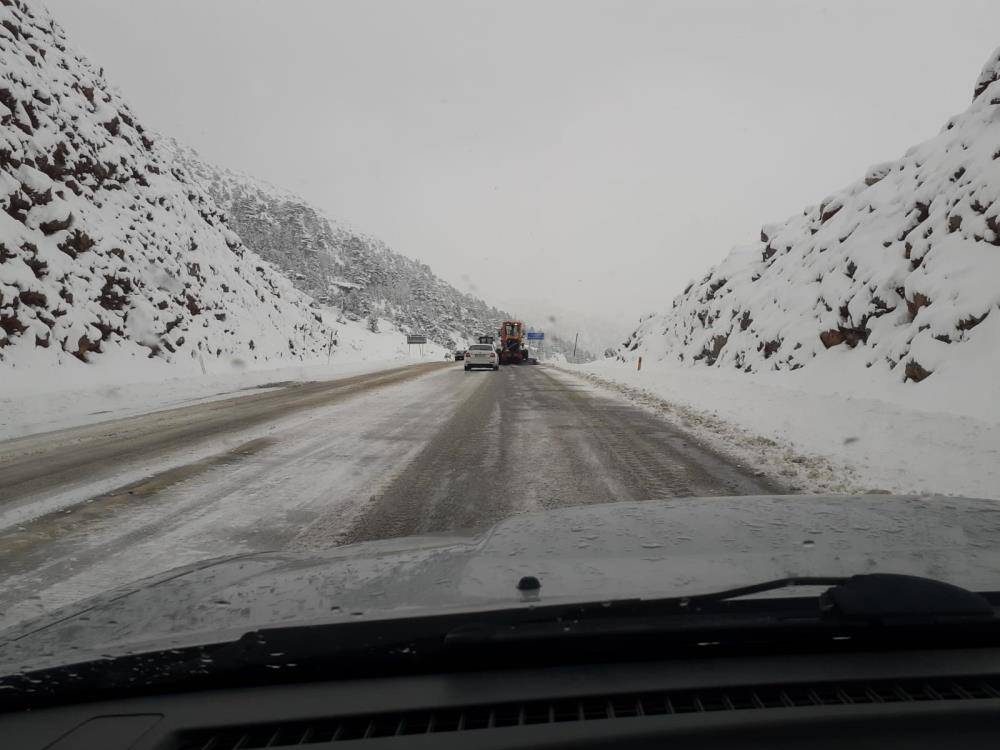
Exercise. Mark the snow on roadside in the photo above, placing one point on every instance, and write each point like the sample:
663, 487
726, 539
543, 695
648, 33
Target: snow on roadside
49, 400
818, 437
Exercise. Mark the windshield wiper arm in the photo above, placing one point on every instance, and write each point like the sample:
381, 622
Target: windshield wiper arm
872, 596
861, 601
765, 586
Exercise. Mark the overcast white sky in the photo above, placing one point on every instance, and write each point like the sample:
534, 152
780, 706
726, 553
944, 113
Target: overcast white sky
597, 155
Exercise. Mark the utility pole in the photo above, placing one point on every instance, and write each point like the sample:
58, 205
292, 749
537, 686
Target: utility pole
575, 339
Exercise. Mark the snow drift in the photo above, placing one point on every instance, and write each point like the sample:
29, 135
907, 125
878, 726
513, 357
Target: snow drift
897, 271
110, 253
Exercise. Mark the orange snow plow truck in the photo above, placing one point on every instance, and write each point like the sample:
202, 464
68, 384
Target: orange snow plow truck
513, 350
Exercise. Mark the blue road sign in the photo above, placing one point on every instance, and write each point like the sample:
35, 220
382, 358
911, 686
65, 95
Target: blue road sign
535, 335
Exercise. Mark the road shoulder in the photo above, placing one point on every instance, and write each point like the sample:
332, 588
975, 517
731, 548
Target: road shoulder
769, 458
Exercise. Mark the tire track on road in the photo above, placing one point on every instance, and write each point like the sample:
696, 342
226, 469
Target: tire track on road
527, 440
43, 463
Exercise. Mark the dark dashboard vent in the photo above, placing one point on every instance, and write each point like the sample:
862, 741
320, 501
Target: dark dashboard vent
631, 705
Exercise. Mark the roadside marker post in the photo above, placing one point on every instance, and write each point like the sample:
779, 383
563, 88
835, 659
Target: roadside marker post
640, 364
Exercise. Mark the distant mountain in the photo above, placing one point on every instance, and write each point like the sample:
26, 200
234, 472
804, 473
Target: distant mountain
338, 266
110, 252
899, 270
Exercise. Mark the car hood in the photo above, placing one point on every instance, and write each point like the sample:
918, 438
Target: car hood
678, 547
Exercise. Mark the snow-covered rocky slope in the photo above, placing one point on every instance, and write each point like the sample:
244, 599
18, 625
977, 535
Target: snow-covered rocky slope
109, 253
336, 265
898, 271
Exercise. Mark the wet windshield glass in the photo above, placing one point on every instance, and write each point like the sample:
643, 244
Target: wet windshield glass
330, 312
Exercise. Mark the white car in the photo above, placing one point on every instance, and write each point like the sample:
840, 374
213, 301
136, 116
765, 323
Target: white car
481, 355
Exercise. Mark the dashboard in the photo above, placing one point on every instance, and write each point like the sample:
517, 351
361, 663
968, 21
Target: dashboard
918, 699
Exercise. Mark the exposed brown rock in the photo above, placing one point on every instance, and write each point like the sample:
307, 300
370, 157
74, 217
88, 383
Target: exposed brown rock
56, 225
828, 213
913, 306
833, 337
84, 346
114, 293
32, 299
17, 207
971, 322
769, 347
915, 372
11, 325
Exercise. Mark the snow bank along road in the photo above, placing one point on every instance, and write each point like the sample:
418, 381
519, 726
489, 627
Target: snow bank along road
418, 450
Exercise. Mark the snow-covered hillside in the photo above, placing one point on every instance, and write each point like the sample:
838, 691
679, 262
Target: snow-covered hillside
897, 272
336, 265
110, 254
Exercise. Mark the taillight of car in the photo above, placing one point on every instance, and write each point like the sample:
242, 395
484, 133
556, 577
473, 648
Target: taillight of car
493, 355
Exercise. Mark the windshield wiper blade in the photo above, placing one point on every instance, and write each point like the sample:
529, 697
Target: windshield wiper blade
765, 586
856, 602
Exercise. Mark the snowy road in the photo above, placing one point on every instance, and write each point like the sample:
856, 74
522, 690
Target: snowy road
418, 450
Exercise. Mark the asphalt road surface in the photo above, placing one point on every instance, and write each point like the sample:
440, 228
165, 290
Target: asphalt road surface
428, 449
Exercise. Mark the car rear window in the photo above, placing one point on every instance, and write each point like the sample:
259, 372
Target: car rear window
482, 347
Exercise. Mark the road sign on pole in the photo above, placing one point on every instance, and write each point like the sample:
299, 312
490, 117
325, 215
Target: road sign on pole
416, 338
536, 336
